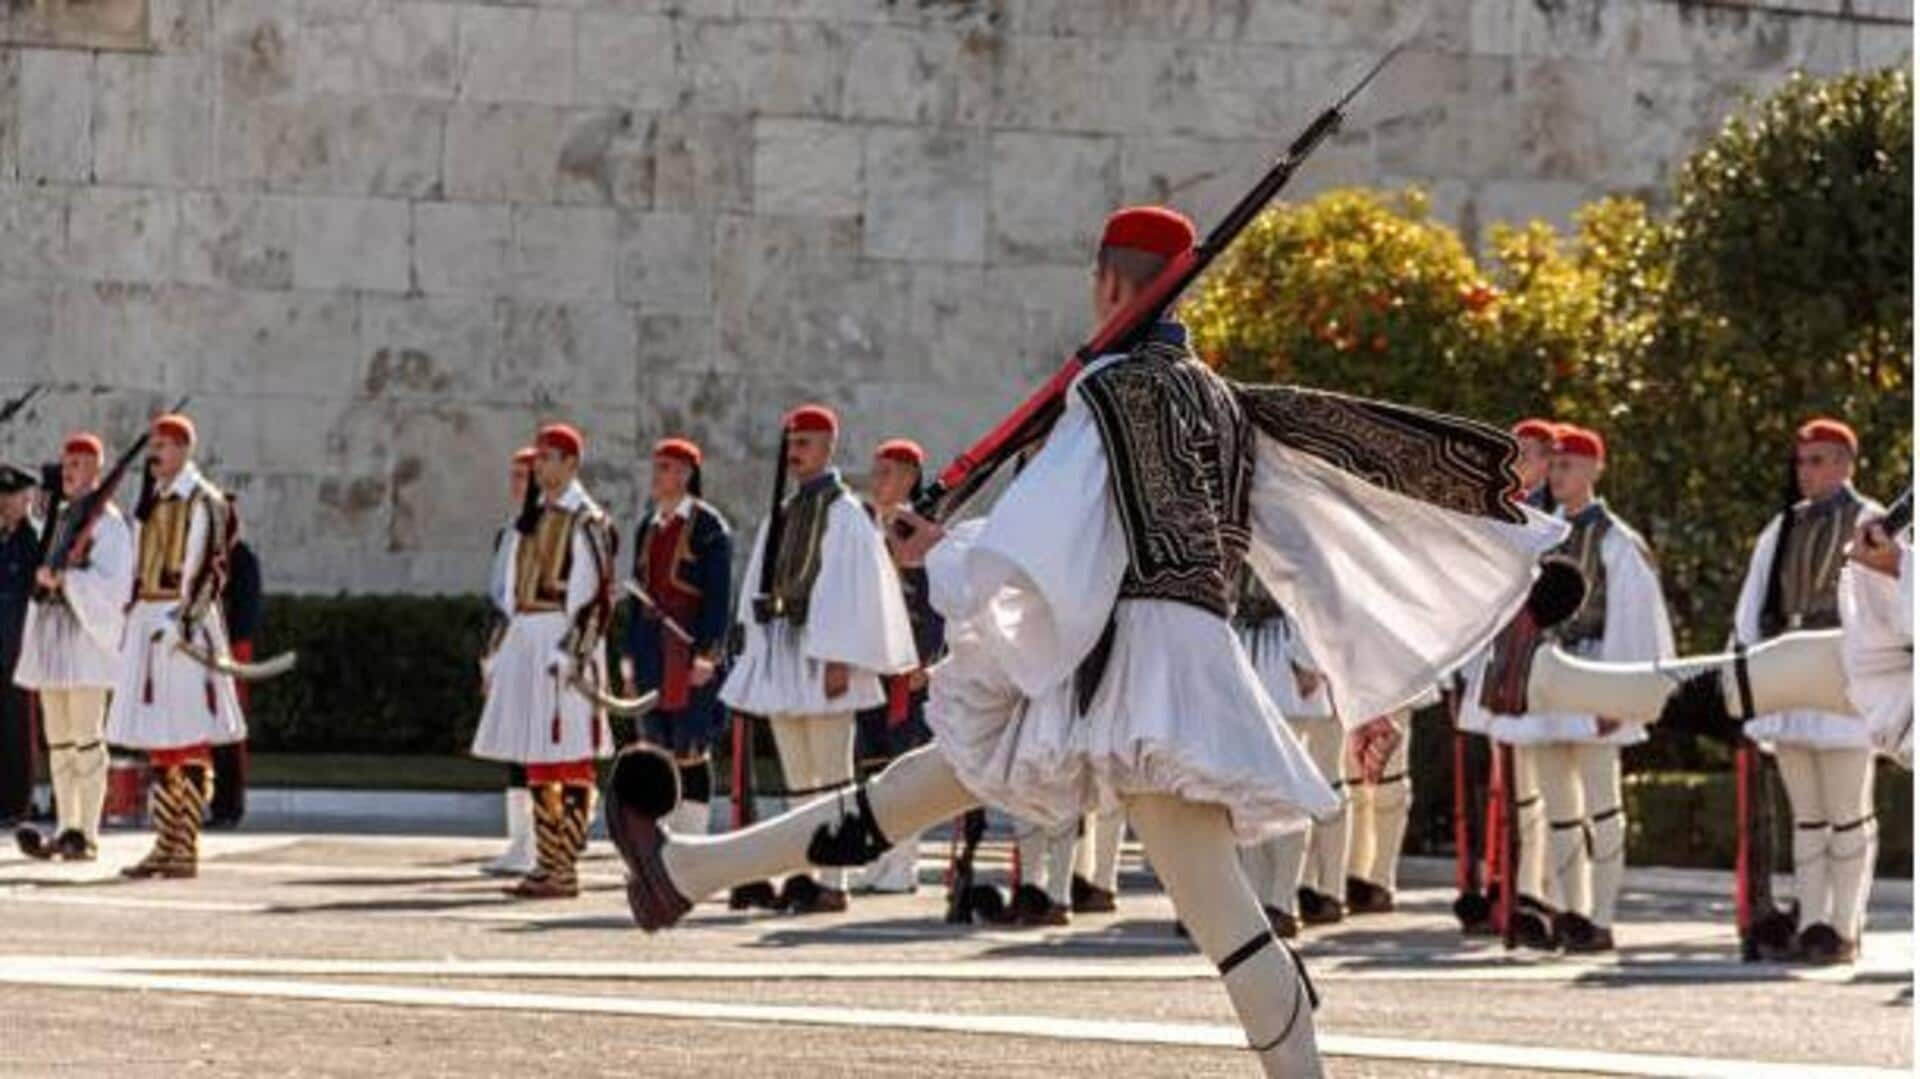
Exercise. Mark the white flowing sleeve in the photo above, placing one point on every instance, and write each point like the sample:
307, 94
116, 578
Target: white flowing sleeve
1638, 628
1392, 591
199, 528
1753, 593
583, 577
500, 582
97, 593
750, 584
1041, 574
1906, 587
855, 614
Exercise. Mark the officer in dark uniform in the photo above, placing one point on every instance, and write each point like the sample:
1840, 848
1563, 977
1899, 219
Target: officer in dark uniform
19, 557
243, 606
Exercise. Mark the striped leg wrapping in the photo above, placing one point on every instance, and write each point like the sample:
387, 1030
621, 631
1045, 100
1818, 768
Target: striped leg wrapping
553, 856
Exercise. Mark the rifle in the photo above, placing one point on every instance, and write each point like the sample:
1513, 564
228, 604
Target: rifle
767, 606
1031, 421
61, 544
654, 610
8, 410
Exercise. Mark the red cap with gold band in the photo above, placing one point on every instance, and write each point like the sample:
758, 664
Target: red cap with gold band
175, 426
84, 444
683, 450
525, 455
813, 418
1156, 230
1580, 442
1825, 429
1536, 428
563, 437
904, 450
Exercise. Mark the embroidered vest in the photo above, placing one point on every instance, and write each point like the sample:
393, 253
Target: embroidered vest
1180, 453
162, 558
543, 562
1810, 564
1583, 547
664, 551
797, 563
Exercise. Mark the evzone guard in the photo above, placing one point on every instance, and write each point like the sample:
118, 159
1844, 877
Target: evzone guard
1825, 758
1575, 756
1863, 670
1517, 819
1092, 664
899, 725
166, 703
539, 714
70, 655
676, 639
517, 859
828, 625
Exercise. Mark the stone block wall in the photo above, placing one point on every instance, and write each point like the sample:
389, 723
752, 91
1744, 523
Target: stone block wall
379, 240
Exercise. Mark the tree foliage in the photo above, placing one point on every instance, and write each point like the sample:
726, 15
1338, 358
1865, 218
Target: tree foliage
1780, 288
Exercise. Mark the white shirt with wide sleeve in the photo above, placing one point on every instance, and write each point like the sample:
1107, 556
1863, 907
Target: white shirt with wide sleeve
74, 642
1180, 709
856, 615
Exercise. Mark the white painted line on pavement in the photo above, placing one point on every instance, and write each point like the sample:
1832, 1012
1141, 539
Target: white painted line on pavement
1533, 1059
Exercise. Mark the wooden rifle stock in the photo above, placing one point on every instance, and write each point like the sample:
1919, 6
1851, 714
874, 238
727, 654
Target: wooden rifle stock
1031, 421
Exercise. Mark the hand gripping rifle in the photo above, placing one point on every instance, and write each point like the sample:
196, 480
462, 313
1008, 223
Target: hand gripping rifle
1030, 422
66, 540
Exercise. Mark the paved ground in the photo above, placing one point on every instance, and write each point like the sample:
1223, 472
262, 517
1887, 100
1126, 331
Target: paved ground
317, 955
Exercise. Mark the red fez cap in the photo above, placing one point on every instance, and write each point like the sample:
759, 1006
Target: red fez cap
1580, 442
175, 426
1824, 429
813, 418
563, 437
1544, 430
525, 455
904, 450
1154, 229
85, 442
678, 449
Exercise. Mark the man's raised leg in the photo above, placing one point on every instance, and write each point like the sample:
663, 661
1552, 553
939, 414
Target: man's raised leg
849, 827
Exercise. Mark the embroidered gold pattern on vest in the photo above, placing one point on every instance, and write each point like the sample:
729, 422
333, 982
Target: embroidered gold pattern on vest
163, 549
543, 563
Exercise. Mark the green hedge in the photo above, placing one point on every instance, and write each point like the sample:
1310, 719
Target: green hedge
377, 674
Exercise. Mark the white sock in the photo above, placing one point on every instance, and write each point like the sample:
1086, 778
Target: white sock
1812, 881
1608, 832
1850, 853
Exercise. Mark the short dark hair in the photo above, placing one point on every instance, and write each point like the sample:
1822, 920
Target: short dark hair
1134, 266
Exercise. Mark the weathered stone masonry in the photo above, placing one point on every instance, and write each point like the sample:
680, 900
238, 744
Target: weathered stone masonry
378, 239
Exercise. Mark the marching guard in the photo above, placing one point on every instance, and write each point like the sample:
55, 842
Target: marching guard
817, 646
1118, 544
1379, 800
167, 703
676, 640
538, 713
71, 654
1575, 757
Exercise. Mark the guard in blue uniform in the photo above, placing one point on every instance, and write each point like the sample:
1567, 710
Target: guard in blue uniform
676, 640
